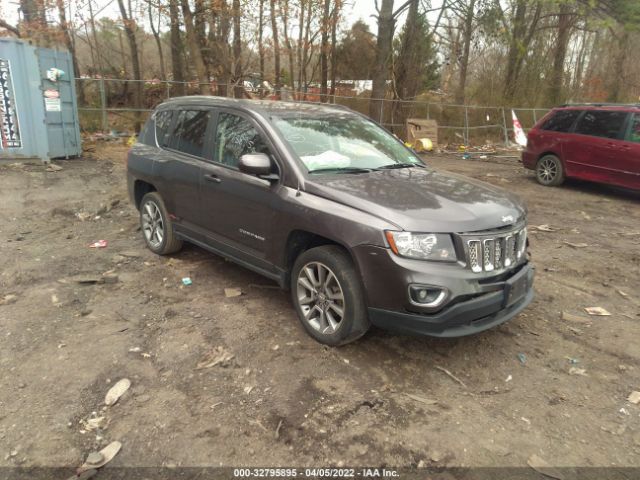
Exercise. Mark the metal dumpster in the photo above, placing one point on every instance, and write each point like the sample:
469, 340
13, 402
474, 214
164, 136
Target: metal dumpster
38, 106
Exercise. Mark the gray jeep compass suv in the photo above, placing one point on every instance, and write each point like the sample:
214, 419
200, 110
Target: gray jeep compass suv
333, 207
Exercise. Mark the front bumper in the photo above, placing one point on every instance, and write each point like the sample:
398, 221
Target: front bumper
476, 302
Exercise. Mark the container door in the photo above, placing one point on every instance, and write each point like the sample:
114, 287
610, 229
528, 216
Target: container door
60, 106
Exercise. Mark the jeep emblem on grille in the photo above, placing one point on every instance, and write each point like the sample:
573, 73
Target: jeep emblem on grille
507, 219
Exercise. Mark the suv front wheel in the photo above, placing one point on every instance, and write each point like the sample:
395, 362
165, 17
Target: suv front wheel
156, 226
328, 297
549, 171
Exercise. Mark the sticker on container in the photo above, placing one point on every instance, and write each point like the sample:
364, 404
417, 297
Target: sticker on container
52, 104
51, 93
9, 124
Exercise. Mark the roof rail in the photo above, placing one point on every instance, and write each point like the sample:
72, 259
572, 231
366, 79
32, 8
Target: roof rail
601, 104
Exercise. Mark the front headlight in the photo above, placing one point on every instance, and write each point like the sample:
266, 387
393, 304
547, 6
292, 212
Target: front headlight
422, 246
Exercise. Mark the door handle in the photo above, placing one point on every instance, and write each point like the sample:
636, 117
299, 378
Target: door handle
212, 178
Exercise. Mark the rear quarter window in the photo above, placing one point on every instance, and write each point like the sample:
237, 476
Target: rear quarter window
163, 124
601, 123
561, 120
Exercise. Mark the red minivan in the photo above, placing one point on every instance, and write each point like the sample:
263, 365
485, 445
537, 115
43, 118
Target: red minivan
596, 142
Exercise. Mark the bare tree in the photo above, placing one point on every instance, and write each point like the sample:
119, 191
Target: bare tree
129, 28
156, 34
276, 49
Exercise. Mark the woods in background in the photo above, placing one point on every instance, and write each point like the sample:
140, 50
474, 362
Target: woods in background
486, 52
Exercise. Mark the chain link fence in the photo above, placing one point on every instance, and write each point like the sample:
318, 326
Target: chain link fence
107, 105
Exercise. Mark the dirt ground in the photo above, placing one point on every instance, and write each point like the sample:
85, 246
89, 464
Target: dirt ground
539, 384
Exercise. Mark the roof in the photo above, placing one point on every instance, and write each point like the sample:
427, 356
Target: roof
268, 107
605, 106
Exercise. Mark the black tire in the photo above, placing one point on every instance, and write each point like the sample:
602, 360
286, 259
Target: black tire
169, 243
549, 171
354, 321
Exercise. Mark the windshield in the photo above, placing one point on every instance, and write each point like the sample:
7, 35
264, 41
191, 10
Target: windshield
346, 143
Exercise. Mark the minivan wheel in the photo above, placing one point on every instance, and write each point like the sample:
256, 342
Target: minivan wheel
328, 296
156, 226
549, 171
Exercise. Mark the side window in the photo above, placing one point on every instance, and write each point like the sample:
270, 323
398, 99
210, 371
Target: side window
601, 123
189, 135
634, 130
163, 122
561, 121
236, 136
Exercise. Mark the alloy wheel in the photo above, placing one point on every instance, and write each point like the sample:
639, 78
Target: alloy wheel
320, 297
152, 224
547, 170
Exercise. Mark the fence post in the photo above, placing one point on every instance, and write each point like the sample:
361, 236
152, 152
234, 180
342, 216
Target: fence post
103, 106
466, 125
168, 89
382, 112
428, 111
535, 116
504, 126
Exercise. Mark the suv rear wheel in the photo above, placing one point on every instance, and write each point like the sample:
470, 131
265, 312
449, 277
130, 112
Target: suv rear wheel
157, 228
328, 297
549, 171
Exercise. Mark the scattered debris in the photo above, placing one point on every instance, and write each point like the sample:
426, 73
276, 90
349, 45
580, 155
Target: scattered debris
622, 294
508, 379
98, 244
541, 466
277, 434
542, 228
275, 348
421, 399
101, 458
578, 371
248, 389
186, 281
572, 361
576, 245
117, 391
53, 168
135, 350
217, 356
85, 279
634, 397
570, 317
110, 278
526, 420
451, 375
599, 311
8, 299
624, 411
523, 358
232, 292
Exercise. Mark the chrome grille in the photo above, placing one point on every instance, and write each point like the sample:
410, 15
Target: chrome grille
494, 251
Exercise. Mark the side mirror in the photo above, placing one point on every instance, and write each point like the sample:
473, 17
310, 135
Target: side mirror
258, 164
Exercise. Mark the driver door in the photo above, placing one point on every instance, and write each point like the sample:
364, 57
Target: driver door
237, 208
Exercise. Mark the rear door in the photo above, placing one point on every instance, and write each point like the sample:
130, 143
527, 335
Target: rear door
238, 209
630, 154
553, 135
594, 151
178, 166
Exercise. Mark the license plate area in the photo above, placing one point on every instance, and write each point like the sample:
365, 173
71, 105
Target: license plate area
516, 288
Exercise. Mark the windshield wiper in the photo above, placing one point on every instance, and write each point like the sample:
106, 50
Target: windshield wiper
401, 165
341, 170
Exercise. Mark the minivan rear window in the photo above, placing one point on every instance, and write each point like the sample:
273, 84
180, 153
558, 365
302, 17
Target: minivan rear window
561, 120
189, 134
601, 123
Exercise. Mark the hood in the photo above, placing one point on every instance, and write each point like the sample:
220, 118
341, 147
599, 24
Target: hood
421, 199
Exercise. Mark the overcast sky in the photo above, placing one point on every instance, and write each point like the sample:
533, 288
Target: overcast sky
354, 10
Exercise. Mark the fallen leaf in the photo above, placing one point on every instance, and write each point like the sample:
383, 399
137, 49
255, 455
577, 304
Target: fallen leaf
578, 371
543, 228
598, 311
541, 466
634, 397
117, 391
570, 317
217, 356
576, 245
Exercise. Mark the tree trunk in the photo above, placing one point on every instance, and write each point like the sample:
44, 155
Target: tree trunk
287, 42
565, 23
156, 35
129, 28
615, 90
68, 41
276, 49
177, 65
194, 48
334, 28
466, 47
237, 51
261, 45
383, 58
301, 66
324, 51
